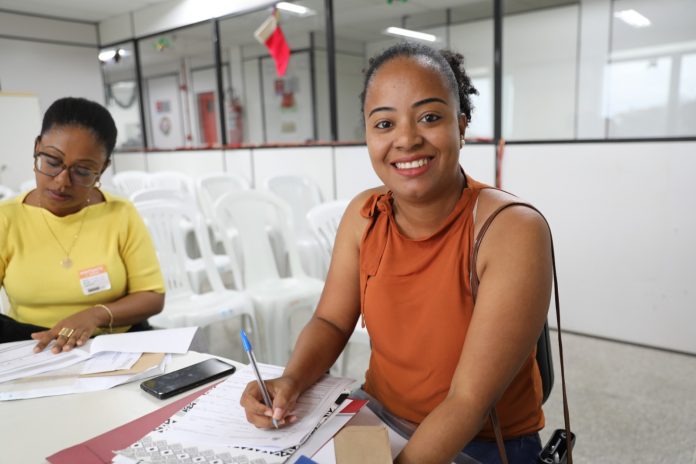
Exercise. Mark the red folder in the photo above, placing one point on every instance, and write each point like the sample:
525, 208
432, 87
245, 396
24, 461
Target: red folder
100, 449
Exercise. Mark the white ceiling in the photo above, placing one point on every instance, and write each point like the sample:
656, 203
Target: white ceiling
81, 10
347, 11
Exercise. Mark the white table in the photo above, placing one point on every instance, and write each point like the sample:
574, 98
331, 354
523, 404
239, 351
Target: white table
31, 430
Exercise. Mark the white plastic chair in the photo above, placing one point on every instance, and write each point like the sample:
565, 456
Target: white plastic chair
182, 306
252, 214
323, 220
129, 182
151, 193
27, 185
302, 194
6, 192
4, 302
172, 180
210, 187
195, 265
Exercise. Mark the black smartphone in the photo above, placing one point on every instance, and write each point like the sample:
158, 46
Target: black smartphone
179, 381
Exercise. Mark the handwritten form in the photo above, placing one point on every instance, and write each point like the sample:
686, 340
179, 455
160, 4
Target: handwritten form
215, 423
218, 417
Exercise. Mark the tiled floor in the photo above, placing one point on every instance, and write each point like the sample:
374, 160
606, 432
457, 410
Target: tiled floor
628, 404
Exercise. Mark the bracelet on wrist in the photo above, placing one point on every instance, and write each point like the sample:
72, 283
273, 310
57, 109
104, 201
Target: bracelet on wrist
111, 316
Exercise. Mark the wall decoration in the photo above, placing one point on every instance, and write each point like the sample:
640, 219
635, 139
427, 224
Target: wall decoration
285, 88
163, 106
165, 125
271, 35
288, 109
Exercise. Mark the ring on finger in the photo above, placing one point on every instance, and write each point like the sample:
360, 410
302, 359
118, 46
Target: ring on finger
66, 332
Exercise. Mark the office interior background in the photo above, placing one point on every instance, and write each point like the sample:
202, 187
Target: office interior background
594, 99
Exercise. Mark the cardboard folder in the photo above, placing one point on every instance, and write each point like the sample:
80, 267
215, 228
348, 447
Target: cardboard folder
363, 444
99, 450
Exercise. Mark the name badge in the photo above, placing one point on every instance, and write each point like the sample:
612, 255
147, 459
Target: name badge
94, 280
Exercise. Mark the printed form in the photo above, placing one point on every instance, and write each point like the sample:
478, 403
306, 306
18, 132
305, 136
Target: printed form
218, 418
214, 428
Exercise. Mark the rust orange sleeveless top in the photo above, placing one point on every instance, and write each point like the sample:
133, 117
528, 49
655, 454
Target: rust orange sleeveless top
416, 302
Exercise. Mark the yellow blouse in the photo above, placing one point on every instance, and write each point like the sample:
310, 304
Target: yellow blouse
109, 246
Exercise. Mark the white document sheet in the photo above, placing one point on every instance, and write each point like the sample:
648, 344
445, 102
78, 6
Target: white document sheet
108, 361
18, 360
218, 418
67, 381
149, 341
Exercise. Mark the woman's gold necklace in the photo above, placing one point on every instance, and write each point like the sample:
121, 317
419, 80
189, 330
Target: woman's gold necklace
66, 262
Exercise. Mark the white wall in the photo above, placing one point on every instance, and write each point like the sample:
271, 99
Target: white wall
50, 71
37, 28
31, 65
623, 220
20, 122
194, 162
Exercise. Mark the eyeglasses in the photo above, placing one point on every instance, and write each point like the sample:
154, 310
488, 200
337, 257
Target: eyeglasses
52, 166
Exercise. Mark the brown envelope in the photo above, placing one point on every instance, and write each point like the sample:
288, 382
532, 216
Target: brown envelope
363, 444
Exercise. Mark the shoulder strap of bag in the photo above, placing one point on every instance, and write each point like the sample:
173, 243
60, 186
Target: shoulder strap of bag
474, 290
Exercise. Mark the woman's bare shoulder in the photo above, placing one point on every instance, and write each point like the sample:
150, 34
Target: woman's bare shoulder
491, 199
353, 220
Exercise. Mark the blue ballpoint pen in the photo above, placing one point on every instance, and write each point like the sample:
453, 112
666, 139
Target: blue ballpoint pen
262, 385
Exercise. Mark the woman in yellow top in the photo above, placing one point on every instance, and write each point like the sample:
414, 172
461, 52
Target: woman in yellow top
75, 261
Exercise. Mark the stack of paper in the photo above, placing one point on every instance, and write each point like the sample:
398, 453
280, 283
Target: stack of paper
102, 363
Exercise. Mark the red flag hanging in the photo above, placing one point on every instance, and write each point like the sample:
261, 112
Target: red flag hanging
270, 34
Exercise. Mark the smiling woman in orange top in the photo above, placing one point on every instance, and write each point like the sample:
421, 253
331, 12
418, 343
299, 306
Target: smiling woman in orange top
402, 260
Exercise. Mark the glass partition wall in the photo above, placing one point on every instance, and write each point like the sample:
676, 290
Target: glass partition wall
598, 69
570, 70
178, 77
262, 106
121, 94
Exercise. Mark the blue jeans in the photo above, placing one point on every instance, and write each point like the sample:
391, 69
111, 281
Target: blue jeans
520, 450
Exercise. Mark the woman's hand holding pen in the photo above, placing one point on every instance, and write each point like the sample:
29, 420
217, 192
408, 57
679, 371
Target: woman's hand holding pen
284, 393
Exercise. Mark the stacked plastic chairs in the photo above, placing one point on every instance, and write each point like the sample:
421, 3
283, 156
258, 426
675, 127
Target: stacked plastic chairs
6, 192
183, 307
27, 185
301, 194
323, 221
210, 187
251, 216
172, 180
129, 182
194, 263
